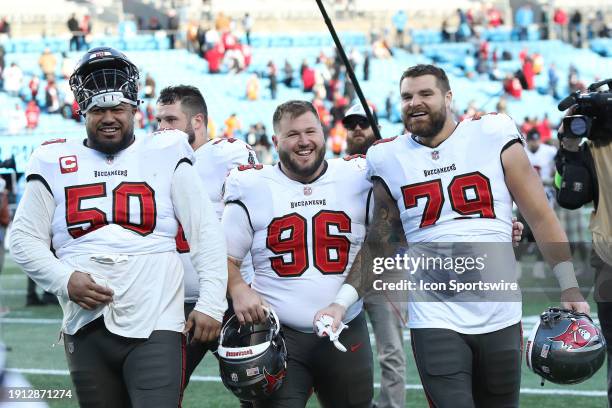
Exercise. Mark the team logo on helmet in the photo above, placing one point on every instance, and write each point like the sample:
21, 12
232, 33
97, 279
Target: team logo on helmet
273, 381
578, 334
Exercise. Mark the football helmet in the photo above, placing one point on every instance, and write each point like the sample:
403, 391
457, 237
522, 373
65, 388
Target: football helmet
252, 357
104, 77
565, 347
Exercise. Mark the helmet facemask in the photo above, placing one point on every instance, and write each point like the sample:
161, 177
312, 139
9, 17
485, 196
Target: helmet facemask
105, 83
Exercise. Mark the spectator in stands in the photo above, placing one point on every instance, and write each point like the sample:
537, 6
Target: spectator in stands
336, 141
2, 65
522, 20
214, 56
67, 65
5, 28
273, 77
34, 86
512, 86
528, 74
32, 115
47, 63
575, 28
252, 88
52, 97
232, 126
154, 24
86, 27
263, 150
308, 78
173, 26
543, 128
561, 20
463, 30
494, 16
366, 66
598, 26
75, 31
553, 81
16, 120
399, 20
13, 77
149, 86
288, 72
247, 26
222, 23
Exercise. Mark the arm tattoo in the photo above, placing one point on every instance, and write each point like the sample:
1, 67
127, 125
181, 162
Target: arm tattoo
383, 238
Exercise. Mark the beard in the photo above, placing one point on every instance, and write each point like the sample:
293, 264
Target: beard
190, 134
302, 171
359, 147
107, 146
427, 130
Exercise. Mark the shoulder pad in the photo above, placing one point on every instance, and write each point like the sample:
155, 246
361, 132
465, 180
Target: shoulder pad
167, 137
389, 139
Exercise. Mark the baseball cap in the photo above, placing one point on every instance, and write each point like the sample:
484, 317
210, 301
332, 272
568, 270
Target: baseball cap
355, 110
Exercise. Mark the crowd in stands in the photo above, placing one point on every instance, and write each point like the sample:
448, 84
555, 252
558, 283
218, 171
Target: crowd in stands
224, 43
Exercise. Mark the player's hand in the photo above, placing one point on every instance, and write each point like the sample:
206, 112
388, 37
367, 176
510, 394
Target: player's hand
248, 305
517, 231
335, 311
572, 299
205, 328
85, 292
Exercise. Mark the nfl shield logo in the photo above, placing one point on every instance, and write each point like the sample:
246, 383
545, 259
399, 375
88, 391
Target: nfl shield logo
307, 191
234, 377
71, 348
435, 155
110, 159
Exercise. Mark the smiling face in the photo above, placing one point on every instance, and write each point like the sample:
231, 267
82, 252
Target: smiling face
110, 130
424, 106
301, 146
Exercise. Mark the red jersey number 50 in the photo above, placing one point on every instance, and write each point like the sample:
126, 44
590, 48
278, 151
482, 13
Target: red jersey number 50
77, 214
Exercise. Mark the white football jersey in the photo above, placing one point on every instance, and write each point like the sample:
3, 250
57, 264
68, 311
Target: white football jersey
305, 236
452, 193
213, 162
139, 219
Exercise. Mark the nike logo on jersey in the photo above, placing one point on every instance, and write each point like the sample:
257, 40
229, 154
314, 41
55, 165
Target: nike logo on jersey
440, 170
356, 347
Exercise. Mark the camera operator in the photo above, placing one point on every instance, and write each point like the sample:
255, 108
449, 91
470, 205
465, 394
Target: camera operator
584, 174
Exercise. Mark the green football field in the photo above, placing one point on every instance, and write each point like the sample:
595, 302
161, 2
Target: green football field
31, 334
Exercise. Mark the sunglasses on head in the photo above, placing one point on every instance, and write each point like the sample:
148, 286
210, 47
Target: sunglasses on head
352, 123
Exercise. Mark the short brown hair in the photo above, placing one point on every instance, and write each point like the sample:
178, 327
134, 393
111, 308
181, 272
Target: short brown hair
428, 69
190, 97
293, 108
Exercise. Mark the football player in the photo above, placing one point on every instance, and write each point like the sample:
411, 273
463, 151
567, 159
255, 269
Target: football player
303, 220
467, 353
183, 107
108, 205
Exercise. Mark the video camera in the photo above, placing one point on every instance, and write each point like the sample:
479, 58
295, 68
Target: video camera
592, 117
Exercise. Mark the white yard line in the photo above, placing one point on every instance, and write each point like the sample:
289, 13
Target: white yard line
208, 378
